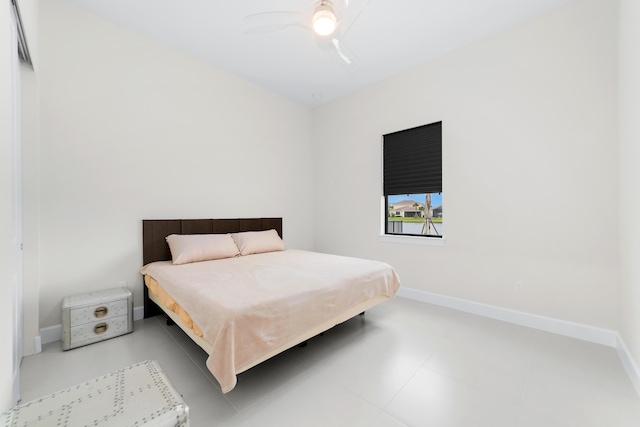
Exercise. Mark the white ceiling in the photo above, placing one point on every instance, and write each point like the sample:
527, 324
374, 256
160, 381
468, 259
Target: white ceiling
388, 37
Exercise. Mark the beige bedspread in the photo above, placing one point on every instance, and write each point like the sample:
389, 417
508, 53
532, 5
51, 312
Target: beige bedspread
247, 306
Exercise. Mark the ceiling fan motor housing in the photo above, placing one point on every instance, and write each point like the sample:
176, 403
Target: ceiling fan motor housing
324, 18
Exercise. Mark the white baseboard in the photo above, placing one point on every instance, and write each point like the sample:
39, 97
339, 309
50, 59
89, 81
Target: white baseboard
549, 324
50, 334
562, 327
54, 333
138, 313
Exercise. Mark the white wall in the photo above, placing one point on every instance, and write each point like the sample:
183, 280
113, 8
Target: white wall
529, 158
131, 129
629, 176
7, 49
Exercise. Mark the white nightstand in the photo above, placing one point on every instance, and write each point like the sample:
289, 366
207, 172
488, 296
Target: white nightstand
95, 316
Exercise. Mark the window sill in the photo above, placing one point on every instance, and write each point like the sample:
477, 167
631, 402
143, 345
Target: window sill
412, 240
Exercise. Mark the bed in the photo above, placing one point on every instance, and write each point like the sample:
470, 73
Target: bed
247, 308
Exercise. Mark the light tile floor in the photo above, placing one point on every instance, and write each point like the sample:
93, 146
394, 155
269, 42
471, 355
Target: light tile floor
405, 363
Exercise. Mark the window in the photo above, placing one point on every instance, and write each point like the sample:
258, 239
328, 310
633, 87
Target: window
412, 181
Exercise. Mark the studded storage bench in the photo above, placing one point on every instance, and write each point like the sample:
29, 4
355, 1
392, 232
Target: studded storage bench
139, 395
96, 316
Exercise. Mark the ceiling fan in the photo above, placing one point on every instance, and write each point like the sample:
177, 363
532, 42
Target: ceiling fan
329, 21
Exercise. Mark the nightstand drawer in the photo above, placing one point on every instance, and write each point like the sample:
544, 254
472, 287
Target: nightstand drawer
80, 316
99, 330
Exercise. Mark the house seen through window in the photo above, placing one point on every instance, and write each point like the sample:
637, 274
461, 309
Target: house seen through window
412, 181
415, 214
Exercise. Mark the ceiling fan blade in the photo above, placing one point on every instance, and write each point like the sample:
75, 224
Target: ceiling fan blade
350, 10
269, 22
336, 48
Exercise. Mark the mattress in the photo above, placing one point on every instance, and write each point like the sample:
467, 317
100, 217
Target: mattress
248, 306
169, 303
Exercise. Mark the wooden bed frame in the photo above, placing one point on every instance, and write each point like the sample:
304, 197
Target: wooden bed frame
155, 248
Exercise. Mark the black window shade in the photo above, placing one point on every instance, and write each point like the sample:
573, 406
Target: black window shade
413, 160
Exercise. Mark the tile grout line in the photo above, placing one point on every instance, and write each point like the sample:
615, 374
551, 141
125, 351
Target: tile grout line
526, 382
206, 374
194, 362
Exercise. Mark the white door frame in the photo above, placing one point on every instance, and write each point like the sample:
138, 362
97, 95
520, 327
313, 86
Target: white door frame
16, 214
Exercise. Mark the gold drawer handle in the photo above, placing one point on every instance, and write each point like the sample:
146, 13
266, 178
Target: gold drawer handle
100, 328
100, 312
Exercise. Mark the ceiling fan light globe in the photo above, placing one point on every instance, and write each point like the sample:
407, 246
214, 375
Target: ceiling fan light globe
324, 22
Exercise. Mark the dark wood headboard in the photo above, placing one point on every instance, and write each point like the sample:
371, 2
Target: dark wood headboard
155, 247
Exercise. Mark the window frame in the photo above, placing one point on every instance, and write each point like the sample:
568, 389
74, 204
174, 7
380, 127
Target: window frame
385, 235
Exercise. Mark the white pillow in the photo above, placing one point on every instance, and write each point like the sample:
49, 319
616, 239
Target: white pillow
256, 242
186, 248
